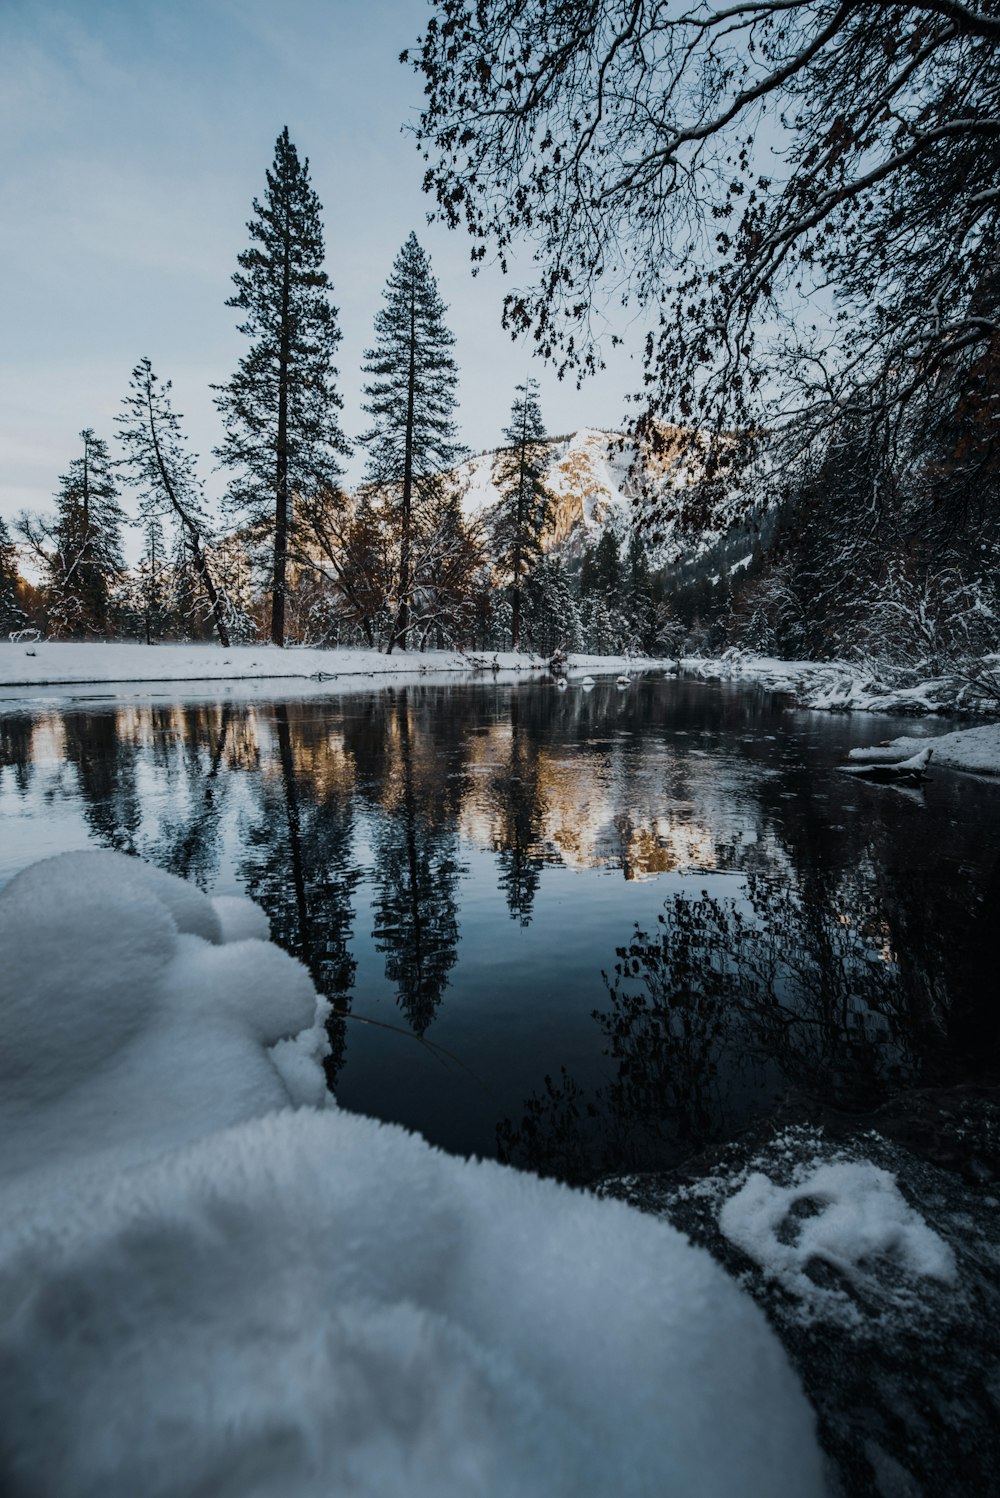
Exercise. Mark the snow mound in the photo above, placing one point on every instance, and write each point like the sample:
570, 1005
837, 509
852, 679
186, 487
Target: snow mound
975, 750
133, 1021
207, 1287
845, 1214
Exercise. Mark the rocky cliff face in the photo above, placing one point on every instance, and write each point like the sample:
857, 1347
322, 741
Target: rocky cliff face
599, 479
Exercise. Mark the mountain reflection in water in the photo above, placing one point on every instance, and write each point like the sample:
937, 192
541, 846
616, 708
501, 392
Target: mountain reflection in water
588, 930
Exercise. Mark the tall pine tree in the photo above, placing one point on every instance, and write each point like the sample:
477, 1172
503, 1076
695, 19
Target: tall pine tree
280, 408
411, 400
12, 615
80, 549
157, 461
523, 513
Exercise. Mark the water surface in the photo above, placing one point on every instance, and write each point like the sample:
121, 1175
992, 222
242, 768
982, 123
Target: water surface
586, 930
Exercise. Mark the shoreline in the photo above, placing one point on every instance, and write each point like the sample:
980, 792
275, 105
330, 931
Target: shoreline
114, 663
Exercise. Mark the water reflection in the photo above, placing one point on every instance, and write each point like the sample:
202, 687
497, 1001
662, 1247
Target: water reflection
297, 858
439, 859
416, 866
802, 983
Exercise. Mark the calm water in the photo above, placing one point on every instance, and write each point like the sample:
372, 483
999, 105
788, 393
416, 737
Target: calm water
583, 930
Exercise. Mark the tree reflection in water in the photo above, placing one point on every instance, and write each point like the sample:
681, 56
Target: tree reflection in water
851, 950
520, 811
804, 981
104, 749
17, 732
416, 874
300, 865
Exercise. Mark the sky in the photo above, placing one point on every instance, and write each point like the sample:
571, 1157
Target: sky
136, 134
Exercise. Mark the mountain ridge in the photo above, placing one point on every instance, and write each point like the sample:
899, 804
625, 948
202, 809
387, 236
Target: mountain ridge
600, 479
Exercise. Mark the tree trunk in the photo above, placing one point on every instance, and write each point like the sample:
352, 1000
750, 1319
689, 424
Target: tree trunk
201, 567
515, 597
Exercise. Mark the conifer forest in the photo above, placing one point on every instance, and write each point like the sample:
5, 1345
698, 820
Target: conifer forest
810, 468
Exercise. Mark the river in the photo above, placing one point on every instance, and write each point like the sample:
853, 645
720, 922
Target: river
583, 930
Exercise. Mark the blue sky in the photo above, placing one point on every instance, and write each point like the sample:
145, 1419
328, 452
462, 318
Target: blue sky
135, 134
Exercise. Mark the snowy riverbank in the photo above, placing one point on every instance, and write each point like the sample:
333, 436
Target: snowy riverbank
831, 686
214, 1280
976, 750
64, 662
841, 686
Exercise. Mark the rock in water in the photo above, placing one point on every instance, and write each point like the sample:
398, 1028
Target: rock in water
874, 1251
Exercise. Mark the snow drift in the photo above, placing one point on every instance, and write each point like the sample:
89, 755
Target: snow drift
214, 1281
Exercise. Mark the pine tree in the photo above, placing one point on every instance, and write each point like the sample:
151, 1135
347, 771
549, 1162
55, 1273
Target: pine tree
80, 548
447, 561
153, 580
158, 462
524, 510
551, 618
12, 615
410, 399
607, 568
280, 408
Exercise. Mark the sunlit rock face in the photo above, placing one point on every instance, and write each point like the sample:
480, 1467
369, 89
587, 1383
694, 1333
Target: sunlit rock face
598, 480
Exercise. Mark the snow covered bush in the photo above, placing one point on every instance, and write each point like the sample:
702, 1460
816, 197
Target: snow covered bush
214, 1281
928, 626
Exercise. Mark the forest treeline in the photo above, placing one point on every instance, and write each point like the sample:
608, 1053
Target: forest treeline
876, 537
294, 556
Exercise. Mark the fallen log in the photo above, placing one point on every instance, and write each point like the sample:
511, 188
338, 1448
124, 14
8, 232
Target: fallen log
908, 771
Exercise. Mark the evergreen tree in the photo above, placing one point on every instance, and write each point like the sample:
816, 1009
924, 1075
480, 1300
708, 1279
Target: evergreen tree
447, 562
411, 400
158, 463
638, 577
638, 602
607, 617
607, 568
12, 615
80, 549
153, 589
551, 618
524, 511
280, 407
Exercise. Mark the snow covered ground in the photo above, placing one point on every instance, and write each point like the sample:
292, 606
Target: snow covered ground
57, 662
212, 1280
837, 686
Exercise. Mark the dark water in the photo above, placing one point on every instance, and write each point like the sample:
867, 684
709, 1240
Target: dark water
583, 930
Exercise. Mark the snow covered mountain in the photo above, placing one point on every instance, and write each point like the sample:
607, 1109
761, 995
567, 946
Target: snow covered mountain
600, 480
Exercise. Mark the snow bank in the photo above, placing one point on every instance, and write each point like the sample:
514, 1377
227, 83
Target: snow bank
974, 749
838, 686
139, 1015
62, 662
211, 1281
58, 661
